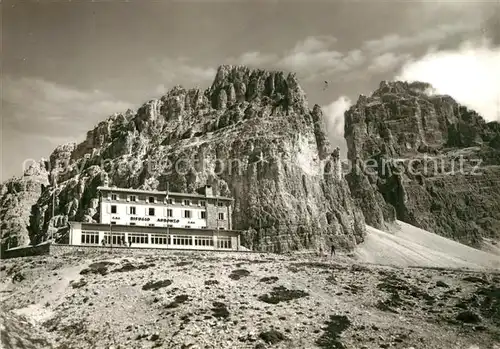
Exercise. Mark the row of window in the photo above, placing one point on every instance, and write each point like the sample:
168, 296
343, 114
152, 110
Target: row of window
168, 225
138, 238
116, 239
203, 241
92, 238
151, 212
170, 201
223, 242
183, 240
160, 240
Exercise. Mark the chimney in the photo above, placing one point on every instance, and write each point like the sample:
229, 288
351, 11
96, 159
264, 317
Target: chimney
105, 180
208, 190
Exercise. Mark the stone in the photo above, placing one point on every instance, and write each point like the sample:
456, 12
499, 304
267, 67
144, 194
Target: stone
468, 317
272, 336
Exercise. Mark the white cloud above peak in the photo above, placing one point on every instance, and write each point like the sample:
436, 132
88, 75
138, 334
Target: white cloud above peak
181, 71
469, 74
334, 116
429, 36
314, 44
315, 56
387, 62
256, 58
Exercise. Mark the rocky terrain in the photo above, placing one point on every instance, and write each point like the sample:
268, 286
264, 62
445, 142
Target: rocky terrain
251, 135
224, 300
425, 160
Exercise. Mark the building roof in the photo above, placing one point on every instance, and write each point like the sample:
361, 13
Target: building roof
156, 192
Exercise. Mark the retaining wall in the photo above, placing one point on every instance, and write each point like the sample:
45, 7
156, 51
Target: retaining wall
59, 250
95, 251
38, 250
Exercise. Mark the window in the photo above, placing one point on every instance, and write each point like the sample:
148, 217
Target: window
169, 212
138, 238
203, 203
132, 210
170, 201
117, 239
151, 199
151, 225
151, 211
223, 242
203, 215
220, 204
184, 240
187, 202
160, 240
114, 197
132, 223
221, 216
221, 228
90, 238
132, 198
113, 208
203, 241
113, 222
187, 214
187, 226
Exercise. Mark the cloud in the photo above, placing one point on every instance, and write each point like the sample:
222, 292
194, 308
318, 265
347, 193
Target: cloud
160, 89
430, 36
44, 113
334, 116
386, 62
255, 58
309, 58
44, 104
470, 74
314, 44
181, 71
317, 56
314, 57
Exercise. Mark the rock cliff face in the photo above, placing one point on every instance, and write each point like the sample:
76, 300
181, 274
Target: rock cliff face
250, 135
426, 160
17, 196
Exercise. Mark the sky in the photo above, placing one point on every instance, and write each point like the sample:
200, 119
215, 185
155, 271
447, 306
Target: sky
66, 65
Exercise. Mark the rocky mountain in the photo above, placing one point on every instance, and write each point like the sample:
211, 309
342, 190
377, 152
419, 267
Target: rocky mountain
426, 160
251, 135
17, 197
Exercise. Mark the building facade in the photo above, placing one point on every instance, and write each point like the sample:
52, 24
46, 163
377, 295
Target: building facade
159, 219
162, 209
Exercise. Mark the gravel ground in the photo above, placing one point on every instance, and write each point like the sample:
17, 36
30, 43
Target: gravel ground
203, 300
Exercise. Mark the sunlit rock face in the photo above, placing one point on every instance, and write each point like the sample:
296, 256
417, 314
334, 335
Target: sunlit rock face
251, 135
426, 160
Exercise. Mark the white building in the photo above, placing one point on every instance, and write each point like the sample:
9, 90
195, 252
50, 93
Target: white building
159, 219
